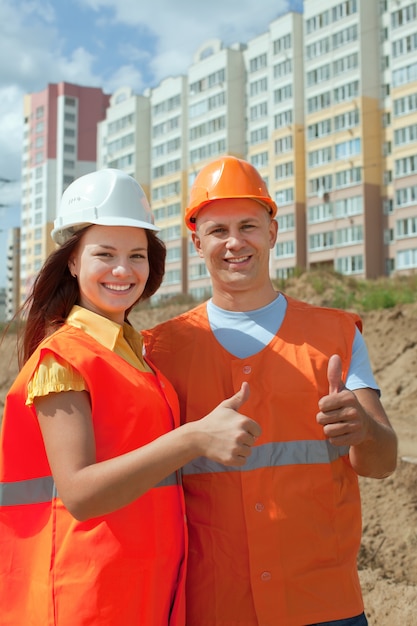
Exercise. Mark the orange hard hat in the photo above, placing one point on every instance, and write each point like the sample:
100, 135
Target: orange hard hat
226, 178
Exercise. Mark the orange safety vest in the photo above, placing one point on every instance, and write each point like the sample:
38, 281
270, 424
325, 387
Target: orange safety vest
124, 568
276, 541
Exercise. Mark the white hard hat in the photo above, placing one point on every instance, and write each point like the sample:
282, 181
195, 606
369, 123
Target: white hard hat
108, 197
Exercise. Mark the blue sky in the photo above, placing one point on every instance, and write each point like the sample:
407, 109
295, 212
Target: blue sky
105, 43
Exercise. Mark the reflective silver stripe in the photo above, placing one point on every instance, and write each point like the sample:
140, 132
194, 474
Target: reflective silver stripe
274, 455
33, 491
40, 490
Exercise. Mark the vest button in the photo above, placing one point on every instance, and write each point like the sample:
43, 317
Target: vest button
259, 507
247, 369
265, 576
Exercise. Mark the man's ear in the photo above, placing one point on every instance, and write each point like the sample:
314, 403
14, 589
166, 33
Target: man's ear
197, 243
273, 232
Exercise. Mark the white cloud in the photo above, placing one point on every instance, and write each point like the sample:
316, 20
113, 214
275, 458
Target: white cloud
11, 136
181, 27
127, 75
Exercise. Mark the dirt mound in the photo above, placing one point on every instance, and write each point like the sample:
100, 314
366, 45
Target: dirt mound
387, 559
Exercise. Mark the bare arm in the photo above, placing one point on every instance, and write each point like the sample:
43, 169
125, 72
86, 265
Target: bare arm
89, 489
358, 419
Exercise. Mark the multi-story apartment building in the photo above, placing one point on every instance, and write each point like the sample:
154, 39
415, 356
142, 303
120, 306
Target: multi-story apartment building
275, 131
399, 48
324, 104
12, 272
3, 297
343, 136
123, 140
168, 178
59, 145
216, 125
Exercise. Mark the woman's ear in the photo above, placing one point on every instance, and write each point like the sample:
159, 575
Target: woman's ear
71, 267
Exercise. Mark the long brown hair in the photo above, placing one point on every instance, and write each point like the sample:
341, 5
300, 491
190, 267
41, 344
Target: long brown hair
55, 291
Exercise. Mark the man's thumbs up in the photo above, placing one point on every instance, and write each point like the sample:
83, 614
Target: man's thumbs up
334, 374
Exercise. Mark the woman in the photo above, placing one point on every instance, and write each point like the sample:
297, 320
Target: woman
91, 509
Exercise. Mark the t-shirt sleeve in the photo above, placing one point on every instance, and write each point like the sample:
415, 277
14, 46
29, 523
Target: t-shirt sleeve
360, 373
54, 375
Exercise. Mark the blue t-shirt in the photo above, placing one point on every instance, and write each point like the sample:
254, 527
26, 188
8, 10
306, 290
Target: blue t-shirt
246, 333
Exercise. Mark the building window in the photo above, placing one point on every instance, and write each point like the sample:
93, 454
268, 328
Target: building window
258, 111
349, 206
171, 210
282, 44
172, 277
260, 160
170, 233
319, 157
405, 135
258, 63
283, 69
283, 119
319, 129
321, 241
284, 170
405, 105
286, 222
405, 45
406, 166
351, 176
406, 196
320, 212
284, 249
406, 259
208, 150
346, 92
197, 271
347, 149
350, 264
318, 75
404, 15
319, 186
284, 93
258, 86
259, 135
318, 48
344, 36
406, 227
349, 236
283, 145
284, 196
173, 254
319, 102
347, 120
404, 75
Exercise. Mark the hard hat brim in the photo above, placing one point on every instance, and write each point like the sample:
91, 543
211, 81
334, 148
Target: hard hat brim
61, 235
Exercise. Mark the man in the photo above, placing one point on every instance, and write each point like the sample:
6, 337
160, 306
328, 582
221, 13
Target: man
276, 541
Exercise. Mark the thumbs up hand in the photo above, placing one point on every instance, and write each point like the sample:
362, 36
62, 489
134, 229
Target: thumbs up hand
229, 435
344, 421
334, 374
